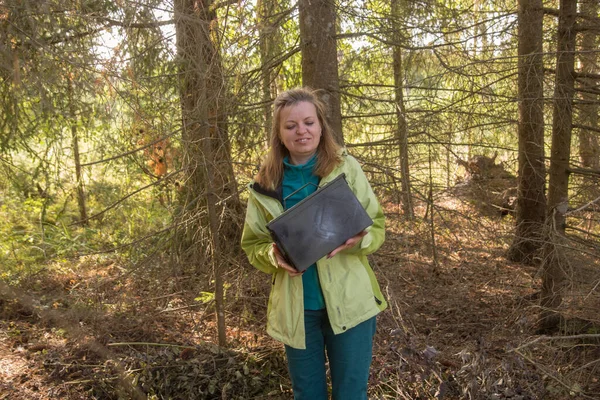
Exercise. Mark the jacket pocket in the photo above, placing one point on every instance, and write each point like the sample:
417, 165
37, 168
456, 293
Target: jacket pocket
354, 286
285, 306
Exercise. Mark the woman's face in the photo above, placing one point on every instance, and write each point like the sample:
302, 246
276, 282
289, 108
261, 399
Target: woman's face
300, 131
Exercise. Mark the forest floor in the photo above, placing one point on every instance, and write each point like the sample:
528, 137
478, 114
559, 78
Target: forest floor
461, 325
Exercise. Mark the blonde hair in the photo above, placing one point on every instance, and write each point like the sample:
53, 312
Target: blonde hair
328, 152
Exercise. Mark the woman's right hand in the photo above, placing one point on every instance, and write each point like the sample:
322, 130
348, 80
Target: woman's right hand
284, 264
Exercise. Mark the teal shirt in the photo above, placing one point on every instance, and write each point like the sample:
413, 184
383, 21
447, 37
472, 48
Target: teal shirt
295, 177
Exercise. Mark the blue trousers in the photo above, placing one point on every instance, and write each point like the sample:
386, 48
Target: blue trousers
349, 355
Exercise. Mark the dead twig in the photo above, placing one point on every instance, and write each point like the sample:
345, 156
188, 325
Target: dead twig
151, 344
550, 338
551, 375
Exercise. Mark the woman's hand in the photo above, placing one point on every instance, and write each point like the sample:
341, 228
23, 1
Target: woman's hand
283, 264
348, 244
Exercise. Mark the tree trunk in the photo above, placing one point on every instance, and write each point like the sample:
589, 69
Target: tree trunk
270, 47
402, 132
554, 264
75, 143
480, 36
319, 56
589, 148
531, 201
210, 189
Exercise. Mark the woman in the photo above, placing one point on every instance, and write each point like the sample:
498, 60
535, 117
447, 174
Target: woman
329, 309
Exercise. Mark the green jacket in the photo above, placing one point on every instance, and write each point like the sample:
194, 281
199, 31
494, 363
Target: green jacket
352, 294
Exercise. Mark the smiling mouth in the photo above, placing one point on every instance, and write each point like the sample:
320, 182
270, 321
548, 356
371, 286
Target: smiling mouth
304, 140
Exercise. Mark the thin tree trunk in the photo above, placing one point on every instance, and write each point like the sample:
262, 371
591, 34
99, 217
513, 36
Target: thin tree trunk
265, 47
479, 30
554, 265
531, 201
449, 154
319, 56
270, 47
430, 205
217, 256
402, 127
75, 143
589, 148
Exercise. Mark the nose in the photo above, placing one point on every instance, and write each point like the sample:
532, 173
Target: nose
302, 129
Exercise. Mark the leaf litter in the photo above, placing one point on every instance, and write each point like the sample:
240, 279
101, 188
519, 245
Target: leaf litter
461, 325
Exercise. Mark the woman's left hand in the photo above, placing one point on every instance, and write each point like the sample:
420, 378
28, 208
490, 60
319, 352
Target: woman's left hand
348, 244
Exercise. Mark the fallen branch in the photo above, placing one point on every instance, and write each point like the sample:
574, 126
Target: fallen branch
585, 206
551, 375
550, 338
179, 346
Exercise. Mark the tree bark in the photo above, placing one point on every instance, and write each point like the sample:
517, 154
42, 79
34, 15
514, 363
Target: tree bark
83, 218
589, 148
210, 189
531, 201
270, 47
554, 264
319, 56
402, 126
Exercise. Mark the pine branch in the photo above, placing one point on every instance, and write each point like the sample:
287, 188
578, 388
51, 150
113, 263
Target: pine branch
131, 151
586, 75
551, 11
586, 127
141, 25
116, 203
584, 171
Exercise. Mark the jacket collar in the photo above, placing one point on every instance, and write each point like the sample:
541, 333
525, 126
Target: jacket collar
276, 194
